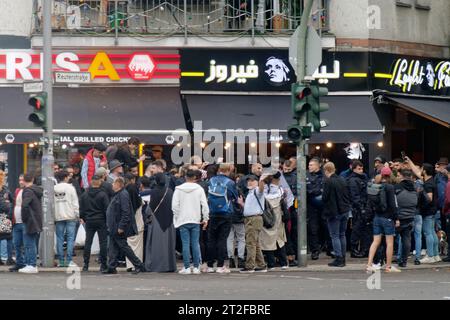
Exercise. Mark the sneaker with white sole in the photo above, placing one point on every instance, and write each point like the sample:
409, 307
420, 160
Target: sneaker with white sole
427, 259
209, 270
284, 268
437, 258
29, 269
72, 264
185, 271
223, 270
376, 266
392, 269
196, 271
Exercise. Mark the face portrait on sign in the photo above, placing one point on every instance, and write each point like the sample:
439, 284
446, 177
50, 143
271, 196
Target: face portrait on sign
277, 71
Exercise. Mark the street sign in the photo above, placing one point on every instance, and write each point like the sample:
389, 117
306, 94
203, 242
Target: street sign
313, 54
293, 49
313, 51
72, 77
33, 87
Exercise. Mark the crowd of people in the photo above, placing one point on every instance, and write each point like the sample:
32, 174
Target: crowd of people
217, 219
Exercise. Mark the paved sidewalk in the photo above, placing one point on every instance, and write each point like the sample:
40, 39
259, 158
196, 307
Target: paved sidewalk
321, 265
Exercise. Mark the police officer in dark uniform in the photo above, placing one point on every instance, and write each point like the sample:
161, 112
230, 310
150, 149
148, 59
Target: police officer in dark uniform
314, 189
361, 236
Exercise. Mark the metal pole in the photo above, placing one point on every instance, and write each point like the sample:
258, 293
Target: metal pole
301, 158
47, 235
116, 16
185, 22
253, 21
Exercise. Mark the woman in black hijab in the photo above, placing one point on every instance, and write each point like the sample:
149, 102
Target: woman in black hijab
160, 246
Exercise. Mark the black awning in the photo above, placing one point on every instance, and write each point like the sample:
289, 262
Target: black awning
98, 111
352, 118
436, 110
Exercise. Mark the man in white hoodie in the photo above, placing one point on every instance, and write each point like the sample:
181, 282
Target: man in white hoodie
66, 216
190, 210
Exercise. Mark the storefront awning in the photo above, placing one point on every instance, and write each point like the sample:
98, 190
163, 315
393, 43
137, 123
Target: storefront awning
352, 118
150, 113
436, 110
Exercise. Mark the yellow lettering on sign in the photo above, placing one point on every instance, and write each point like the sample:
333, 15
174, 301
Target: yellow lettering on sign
102, 59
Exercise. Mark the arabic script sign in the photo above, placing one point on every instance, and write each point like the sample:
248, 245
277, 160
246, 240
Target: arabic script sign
231, 70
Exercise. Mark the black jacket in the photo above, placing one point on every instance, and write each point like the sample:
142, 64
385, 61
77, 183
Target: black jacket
124, 156
357, 184
107, 187
32, 209
314, 184
336, 198
119, 215
407, 199
93, 205
291, 179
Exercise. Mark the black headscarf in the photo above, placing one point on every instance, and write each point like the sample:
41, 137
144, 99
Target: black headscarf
164, 214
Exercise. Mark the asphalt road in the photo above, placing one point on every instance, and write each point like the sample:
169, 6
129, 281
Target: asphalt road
411, 284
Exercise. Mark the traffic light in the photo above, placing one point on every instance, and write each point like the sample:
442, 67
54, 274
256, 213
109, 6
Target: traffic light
38, 116
296, 132
316, 107
300, 100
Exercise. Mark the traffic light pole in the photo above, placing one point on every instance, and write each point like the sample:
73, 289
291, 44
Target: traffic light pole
47, 235
301, 157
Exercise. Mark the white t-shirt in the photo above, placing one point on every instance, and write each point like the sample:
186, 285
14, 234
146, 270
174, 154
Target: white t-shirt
18, 208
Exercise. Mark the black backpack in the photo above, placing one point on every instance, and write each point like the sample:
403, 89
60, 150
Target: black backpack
376, 199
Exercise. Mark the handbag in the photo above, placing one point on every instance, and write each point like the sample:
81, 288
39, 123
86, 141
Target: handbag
268, 213
149, 213
5, 225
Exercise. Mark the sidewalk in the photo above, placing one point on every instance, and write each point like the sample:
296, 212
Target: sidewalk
321, 265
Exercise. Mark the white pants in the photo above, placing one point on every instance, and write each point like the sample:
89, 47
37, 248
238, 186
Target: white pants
237, 233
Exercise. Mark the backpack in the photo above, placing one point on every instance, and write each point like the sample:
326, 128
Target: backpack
111, 153
218, 196
376, 198
268, 213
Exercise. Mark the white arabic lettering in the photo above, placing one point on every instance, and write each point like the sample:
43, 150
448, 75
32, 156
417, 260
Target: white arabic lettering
443, 75
240, 73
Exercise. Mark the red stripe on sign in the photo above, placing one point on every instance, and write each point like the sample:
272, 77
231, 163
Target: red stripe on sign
168, 70
166, 77
2, 58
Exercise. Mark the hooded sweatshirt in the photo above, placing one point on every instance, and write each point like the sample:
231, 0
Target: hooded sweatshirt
93, 205
32, 209
407, 199
66, 202
189, 204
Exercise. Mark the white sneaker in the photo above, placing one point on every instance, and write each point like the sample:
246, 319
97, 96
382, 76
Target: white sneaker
284, 268
437, 258
427, 259
196, 271
392, 269
185, 271
209, 270
376, 266
29, 269
223, 270
423, 252
72, 264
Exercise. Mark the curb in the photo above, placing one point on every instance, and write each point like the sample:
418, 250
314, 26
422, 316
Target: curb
316, 268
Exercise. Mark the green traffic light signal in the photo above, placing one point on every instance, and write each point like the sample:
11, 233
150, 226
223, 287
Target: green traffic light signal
300, 100
38, 116
317, 108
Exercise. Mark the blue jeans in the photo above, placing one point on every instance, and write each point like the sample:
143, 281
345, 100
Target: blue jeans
337, 227
430, 236
62, 227
6, 249
190, 237
29, 241
418, 221
18, 235
437, 220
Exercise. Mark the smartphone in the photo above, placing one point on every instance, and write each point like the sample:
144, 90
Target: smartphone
403, 155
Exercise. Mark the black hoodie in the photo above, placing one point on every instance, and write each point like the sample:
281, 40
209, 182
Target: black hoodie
32, 209
407, 199
93, 205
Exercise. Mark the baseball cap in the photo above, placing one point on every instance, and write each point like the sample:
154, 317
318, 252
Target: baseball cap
252, 177
97, 177
101, 171
386, 171
380, 158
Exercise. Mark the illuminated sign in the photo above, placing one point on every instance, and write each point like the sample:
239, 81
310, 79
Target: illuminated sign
103, 67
